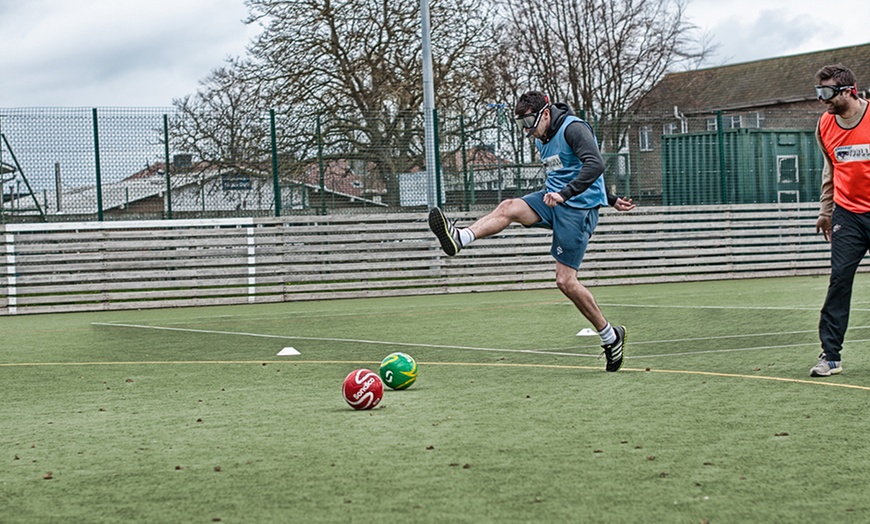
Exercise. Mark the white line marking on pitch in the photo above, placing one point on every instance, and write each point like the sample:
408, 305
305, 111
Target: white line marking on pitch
676, 306
743, 335
497, 350
329, 339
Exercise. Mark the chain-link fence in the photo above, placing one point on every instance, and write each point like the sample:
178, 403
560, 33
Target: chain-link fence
113, 164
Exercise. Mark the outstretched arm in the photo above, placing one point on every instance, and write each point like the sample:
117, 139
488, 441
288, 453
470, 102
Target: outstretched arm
624, 204
620, 203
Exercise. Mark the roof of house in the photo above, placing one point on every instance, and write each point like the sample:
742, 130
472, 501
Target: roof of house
773, 81
116, 195
151, 182
340, 177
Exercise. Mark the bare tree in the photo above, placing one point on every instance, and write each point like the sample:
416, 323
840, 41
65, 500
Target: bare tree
224, 124
601, 56
345, 76
355, 68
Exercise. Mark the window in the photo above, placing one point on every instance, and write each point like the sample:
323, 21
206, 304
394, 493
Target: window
759, 120
669, 129
755, 120
645, 138
787, 169
788, 197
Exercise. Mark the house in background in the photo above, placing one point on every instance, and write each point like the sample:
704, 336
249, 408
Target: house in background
199, 189
481, 176
737, 133
346, 183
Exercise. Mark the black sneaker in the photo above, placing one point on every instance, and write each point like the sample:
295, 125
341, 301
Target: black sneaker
446, 232
614, 351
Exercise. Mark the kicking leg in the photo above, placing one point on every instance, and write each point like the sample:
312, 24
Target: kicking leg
507, 212
453, 239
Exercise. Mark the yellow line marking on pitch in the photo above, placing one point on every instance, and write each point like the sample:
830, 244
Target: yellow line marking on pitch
758, 377
487, 364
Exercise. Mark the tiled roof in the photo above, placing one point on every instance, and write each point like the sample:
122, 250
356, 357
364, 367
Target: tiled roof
773, 81
340, 177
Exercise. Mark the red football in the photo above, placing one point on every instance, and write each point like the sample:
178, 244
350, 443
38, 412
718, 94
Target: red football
362, 389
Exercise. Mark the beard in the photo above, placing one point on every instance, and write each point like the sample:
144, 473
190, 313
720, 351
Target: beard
838, 106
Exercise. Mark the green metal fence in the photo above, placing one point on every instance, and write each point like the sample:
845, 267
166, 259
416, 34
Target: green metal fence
76, 164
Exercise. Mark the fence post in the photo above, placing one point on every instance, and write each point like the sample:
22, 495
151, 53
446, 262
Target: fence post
320, 168
723, 182
437, 158
166, 169
275, 184
97, 161
464, 163
471, 190
497, 150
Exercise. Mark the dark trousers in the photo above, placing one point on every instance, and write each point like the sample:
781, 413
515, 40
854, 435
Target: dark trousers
850, 240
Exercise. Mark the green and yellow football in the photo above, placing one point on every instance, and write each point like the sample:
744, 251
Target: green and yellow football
398, 370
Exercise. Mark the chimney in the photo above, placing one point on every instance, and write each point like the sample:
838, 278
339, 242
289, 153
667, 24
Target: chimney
182, 163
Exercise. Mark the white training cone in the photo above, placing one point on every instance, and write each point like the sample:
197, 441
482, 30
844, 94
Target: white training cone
586, 332
288, 352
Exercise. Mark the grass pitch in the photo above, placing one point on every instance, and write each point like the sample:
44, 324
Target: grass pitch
189, 415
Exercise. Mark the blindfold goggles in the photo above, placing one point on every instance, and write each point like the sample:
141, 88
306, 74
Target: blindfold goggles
530, 121
828, 92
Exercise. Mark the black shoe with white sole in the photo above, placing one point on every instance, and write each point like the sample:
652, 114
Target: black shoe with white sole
614, 352
445, 231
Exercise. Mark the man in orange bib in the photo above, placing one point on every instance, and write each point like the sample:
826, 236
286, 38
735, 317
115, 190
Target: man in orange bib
843, 135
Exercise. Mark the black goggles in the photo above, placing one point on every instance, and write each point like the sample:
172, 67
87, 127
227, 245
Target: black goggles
826, 93
530, 121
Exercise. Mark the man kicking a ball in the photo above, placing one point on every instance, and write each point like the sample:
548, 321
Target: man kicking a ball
568, 206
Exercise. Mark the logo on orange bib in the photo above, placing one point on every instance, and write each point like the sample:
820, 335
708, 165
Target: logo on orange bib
856, 153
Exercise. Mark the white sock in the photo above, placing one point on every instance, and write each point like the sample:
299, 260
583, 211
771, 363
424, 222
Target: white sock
608, 336
466, 236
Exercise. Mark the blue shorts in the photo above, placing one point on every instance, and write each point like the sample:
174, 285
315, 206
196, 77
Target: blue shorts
572, 228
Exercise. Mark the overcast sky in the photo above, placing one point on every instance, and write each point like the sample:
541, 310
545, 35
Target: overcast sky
102, 53
133, 53
755, 29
